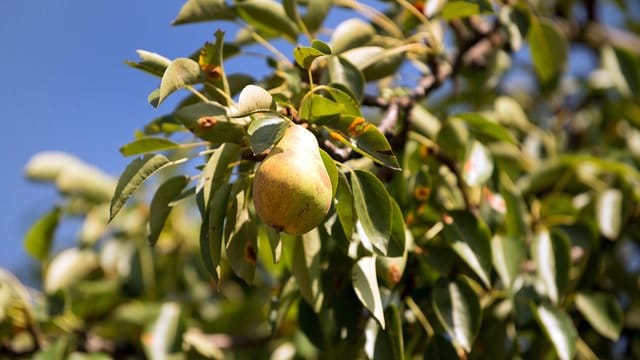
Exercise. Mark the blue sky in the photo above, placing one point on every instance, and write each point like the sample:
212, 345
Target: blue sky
66, 87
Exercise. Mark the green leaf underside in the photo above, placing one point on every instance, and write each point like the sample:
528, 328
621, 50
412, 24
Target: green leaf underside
343, 72
373, 210
182, 72
558, 327
551, 255
204, 10
147, 145
365, 284
159, 209
39, 238
265, 131
150, 62
457, 308
332, 170
364, 138
470, 239
132, 177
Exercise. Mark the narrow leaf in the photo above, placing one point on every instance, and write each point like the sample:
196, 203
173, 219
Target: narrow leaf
549, 50
470, 239
344, 205
332, 170
457, 9
373, 209
603, 312
132, 177
182, 72
609, 213
146, 145
39, 237
365, 284
306, 268
159, 209
150, 62
351, 33
552, 258
218, 170
508, 253
457, 308
559, 329
204, 10
212, 235
165, 334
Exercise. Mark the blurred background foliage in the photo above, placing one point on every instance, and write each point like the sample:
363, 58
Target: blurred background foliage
484, 157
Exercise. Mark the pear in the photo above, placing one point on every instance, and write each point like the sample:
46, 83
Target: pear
292, 190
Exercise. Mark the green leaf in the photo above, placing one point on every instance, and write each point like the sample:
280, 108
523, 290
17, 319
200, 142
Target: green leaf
68, 267
363, 137
305, 55
397, 242
478, 166
332, 170
204, 10
623, 69
211, 234
457, 9
350, 34
508, 253
552, 258
373, 209
252, 99
209, 123
457, 308
390, 343
242, 248
218, 170
180, 73
318, 109
346, 74
265, 131
365, 284
609, 213
485, 129
603, 312
150, 62
549, 50
39, 237
159, 209
375, 62
132, 177
344, 205
321, 45
559, 329
470, 239
268, 15
146, 145
344, 96
516, 217
211, 61
307, 268
315, 15
165, 334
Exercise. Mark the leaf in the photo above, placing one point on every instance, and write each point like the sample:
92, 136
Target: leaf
344, 205
365, 284
457, 308
390, 343
552, 258
242, 248
549, 50
485, 129
373, 209
252, 99
159, 208
321, 45
623, 69
39, 237
217, 170
315, 15
132, 177
182, 72
318, 109
508, 253
332, 170
609, 213
208, 121
343, 72
350, 34
204, 10
305, 55
268, 15
603, 313
470, 239
265, 131
478, 167
364, 138
306, 268
457, 9
211, 234
164, 338
68, 267
559, 329
516, 217
211, 61
150, 62
375, 62
47, 165
397, 242
147, 145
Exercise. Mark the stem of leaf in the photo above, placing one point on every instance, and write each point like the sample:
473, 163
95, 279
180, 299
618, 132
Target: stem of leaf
267, 45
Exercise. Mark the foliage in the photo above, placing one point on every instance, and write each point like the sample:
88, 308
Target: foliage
485, 193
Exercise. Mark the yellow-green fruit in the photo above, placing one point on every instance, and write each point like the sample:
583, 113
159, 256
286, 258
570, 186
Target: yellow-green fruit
292, 189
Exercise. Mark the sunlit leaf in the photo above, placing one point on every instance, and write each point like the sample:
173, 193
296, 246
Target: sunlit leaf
208, 122
164, 338
603, 312
150, 62
485, 129
242, 248
268, 15
159, 209
375, 62
318, 109
457, 9
551, 255
365, 284
549, 50
559, 329
146, 145
351, 33
68, 267
265, 131
182, 72
316, 13
218, 169
204, 10
211, 234
344, 205
304, 55
609, 213
508, 253
373, 209
252, 99
306, 268
132, 177
39, 238
332, 170
457, 308
470, 239
478, 166
390, 343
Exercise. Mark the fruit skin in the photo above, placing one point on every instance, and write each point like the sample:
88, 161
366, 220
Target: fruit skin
292, 190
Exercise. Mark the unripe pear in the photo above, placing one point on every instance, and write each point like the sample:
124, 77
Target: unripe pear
292, 190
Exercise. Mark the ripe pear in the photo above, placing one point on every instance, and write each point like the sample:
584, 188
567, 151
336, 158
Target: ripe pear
292, 190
